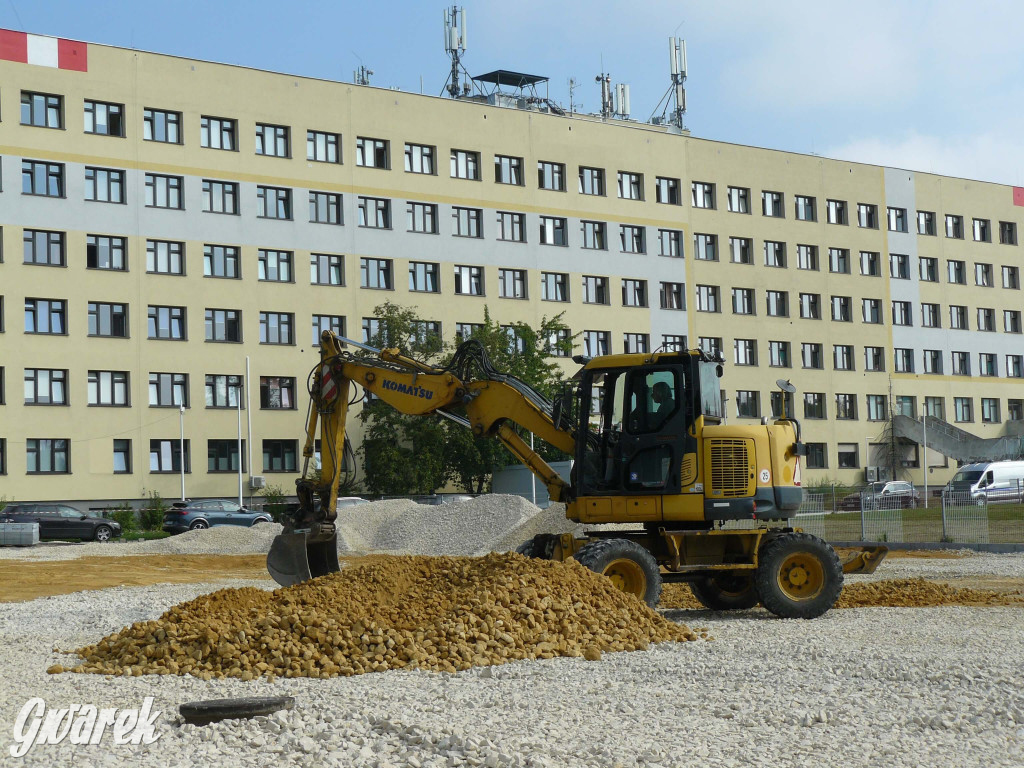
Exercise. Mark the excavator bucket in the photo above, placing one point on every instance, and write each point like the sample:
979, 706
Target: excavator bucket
293, 558
866, 560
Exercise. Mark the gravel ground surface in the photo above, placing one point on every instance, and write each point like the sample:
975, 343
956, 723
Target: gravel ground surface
861, 687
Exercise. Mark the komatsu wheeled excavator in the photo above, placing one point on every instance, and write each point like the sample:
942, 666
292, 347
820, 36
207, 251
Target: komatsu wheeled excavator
650, 452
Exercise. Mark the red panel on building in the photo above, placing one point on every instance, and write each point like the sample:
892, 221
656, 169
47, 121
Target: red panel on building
1018, 195
72, 54
13, 46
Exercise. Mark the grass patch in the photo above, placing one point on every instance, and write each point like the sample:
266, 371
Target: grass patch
144, 535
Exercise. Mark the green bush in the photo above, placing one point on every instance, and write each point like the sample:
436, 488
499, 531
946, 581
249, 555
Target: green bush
144, 535
125, 515
152, 514
274, 501
3, 502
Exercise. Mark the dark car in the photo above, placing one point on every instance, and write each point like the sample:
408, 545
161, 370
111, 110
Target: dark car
59, 521
891, 494
205, 513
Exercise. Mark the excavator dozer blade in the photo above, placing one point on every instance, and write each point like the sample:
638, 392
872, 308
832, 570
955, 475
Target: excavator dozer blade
293, 558
866, 560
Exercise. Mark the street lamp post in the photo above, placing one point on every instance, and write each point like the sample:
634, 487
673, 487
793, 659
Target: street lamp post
181, 447
238, 410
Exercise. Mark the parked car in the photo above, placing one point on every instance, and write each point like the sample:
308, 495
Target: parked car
60, 521
891, 494
205, 513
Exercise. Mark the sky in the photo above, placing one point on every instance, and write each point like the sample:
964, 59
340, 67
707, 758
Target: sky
935, 86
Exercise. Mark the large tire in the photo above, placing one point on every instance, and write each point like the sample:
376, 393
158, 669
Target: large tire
630, 567
798, 576
541, 546
727, 592
103, 533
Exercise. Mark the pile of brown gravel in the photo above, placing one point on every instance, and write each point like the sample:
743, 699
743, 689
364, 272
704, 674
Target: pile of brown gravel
433, 613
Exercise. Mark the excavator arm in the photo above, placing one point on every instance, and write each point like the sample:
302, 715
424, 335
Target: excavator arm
468, 391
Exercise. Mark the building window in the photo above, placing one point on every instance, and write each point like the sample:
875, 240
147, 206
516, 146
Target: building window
739, 200
323, 147
47, 456
424, 277
867, 216
846, 407
983, 275
928, 268
419, 158
871, 311
44, 386
165, 257
372, 153
632, 239
594, 235
899, 266
807, 257
326, 269
469, 281
164, 191
982, 230
903, 360
465, 165
1007, 233
876, 408
926, 223
961, 363
165, 456
778, 303
277, 328
167, 323
987, 365
814, 405
635, 343
811, 356
45, 248
375, 273
817, 458
591, 181
333, 323
958, 317
806, 209
986, 319
104, 185
273, 140
930, 317
42, 179
670, 243
43, 110
703, 193
874, 359
743, 301
1011, 278
597, 343
901, 313
666, 191
273, 202
740, 250
810, 306
842, 357
220, 196
374, 212
554, 286
673, 342
772, 204
422, 218
512, 283
1015, 366
161, 125
957, 272
595, 290
673, 296
631, 185
869, 264
712, 345
963, 409
223, 391
168, 390
109, 388
705, 247
122, 456
221, 261
778, 354
551, 176
839, 260
553, 231
222, 456
906, 405
1011, 321
467, 222
218, 133
46, 316
109, 320
508, 170
277, 393
744, 351
1014, 412
634, 293
748, 404
324, 208
559, 343
954, 226
774, 254
836, 211
990, 410
841, 309
846, 455
512, 226
897, 219
465, 331
707, 298
224, 325
933, 361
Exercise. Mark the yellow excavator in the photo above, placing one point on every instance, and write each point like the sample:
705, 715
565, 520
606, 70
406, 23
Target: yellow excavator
650, 452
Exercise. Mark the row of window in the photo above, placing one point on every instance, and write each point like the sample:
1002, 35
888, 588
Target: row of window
52, 456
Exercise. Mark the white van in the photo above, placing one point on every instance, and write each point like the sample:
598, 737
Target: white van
991, 481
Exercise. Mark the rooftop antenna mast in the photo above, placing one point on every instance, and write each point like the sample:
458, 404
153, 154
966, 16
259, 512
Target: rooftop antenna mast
607, 104
676, 92
362, 75
455, 47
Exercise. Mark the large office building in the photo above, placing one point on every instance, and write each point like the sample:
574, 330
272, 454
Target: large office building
177, 232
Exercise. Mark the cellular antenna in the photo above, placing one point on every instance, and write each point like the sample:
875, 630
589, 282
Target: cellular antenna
362, 75
455, 47
676, 93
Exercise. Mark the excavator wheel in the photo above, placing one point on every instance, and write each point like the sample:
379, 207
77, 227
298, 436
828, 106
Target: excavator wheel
541, 546
727, 591
798, 576
630, 567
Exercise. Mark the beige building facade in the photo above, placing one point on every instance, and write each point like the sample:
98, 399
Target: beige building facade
176, 232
